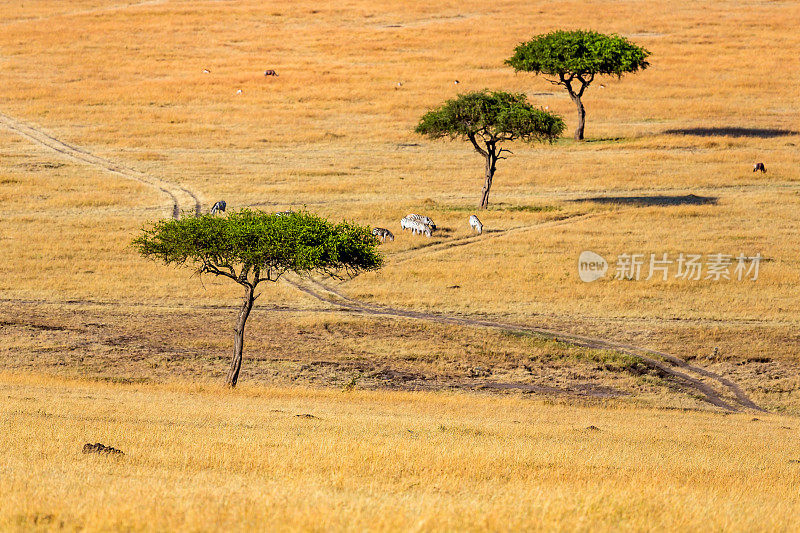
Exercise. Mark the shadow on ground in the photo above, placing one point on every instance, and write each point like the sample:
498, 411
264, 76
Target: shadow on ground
647, 201
764, 133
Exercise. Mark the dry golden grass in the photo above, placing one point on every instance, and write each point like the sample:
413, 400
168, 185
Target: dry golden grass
333, 133
201, 458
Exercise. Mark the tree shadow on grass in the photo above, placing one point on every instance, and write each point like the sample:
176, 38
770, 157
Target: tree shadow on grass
764, 133
648, 201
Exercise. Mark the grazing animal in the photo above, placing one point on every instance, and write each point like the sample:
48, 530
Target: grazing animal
383, 234
219, 206
239, 91
270, 73
476, 224
456, 82
759, 166
101, 448
284, 213
425, 220
206, 71
416, 226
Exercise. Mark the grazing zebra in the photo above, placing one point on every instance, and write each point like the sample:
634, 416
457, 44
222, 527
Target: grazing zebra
219, 206
383, 234
759, 166
206, 71
476, 224
270, 72
416, 226
425, 220
239, 91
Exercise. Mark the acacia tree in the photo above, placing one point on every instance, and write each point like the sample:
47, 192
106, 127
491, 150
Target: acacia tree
575, 58
487, 119
251, 246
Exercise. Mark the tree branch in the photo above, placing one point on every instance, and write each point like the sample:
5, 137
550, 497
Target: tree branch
585, 83
480, 150
212, 269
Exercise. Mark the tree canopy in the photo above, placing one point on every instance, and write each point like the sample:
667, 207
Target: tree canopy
578, 53
251, 246
486, 119
490, 116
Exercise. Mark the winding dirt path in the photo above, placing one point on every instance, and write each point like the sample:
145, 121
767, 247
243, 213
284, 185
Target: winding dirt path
105, 9
178, 195
677, 369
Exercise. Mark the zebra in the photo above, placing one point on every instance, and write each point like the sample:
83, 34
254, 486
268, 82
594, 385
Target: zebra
219, 207
476, 224
759, 166
425, 220
383, 234
416, 226
284, 213
270, 72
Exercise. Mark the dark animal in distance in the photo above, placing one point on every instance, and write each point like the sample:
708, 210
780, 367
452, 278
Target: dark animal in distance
219, 206
99, 448
270, 73
759, 166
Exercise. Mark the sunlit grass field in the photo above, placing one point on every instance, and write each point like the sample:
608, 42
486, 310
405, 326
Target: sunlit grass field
666, 168
203, 458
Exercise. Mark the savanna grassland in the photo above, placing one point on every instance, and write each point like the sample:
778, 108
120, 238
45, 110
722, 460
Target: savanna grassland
471, 365
205, 458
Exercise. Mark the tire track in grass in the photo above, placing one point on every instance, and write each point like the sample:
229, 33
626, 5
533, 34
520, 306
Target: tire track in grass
105, 9
677, 369
177, 194
413, 253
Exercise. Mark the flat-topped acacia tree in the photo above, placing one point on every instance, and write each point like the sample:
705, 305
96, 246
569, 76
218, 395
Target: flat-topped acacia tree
250, 246
575, 58
487, 119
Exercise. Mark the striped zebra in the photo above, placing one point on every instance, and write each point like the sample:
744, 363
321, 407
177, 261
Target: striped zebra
425, 220
416, 226
475, 224
218, 207
383, 234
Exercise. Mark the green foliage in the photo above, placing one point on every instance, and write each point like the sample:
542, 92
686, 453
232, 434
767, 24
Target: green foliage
251, 246
579, 53
493, 116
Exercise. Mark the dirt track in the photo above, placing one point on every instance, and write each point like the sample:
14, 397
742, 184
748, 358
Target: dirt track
176, 193
724, 394
677, 369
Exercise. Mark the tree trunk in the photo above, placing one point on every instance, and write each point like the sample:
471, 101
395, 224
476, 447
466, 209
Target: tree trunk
491, 159
238, 343
581, 118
